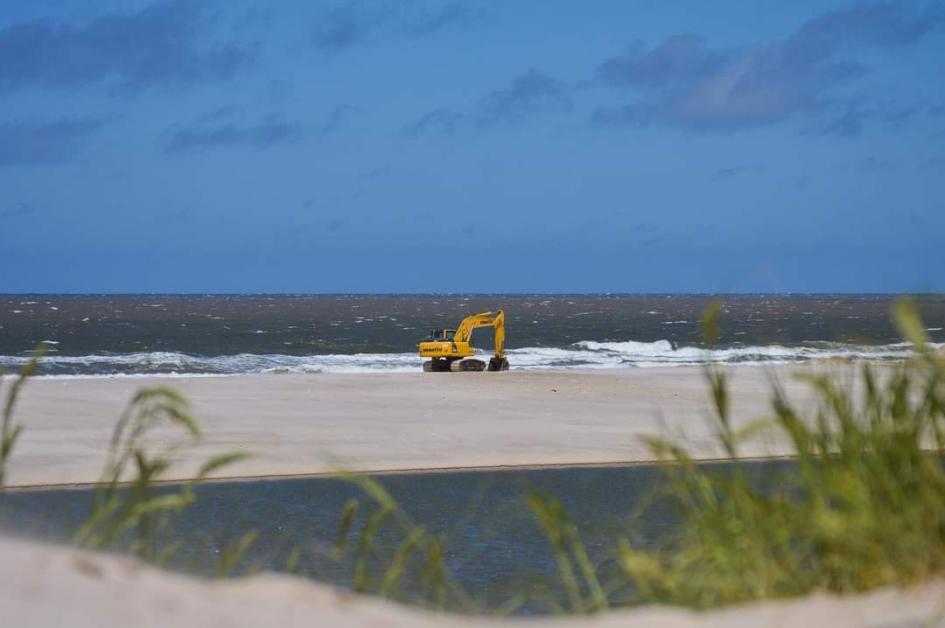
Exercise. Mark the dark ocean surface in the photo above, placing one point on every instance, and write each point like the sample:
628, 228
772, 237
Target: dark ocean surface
227, 334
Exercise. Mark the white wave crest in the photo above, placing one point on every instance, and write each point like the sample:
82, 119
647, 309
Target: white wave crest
663, 353
172, 363
586, 354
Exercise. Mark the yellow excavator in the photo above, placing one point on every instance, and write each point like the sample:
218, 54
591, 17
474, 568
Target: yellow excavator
449, 349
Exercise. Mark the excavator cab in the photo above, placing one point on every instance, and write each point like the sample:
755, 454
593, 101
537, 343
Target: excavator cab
442, 335
450, 349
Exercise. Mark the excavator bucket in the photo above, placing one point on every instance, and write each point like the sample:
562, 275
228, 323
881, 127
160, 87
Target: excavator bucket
498, 364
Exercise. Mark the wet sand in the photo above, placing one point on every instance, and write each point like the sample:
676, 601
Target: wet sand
323, 423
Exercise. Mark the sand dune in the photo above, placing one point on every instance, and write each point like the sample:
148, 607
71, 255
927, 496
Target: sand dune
46, 586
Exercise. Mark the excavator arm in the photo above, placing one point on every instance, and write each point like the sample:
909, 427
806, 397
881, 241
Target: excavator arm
500, 336
486, 319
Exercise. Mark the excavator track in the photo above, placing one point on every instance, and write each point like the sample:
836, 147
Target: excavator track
436, 366
458, 366
467, 365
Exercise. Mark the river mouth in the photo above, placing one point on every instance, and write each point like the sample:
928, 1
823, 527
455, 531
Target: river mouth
497, 556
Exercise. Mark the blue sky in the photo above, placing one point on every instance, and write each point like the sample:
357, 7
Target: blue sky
607, 146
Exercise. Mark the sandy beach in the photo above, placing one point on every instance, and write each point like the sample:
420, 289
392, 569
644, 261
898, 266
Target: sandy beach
322, 423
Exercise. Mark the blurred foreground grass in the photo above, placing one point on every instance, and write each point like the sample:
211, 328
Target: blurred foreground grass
864, 507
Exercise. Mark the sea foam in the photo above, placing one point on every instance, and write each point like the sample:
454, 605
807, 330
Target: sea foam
586, 354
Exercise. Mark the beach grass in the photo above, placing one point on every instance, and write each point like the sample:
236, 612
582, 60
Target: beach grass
865, 507
418, 557
10, 431
129, 508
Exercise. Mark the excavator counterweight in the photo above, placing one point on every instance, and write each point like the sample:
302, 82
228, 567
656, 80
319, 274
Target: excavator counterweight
450, 349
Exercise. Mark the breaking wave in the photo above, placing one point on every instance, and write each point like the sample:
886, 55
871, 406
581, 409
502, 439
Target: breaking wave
592, 354
581, 355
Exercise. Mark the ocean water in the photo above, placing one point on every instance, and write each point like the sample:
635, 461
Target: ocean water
108, 335
494, 547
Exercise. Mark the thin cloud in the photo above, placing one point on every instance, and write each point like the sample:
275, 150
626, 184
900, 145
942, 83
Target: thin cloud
437, 122
270, 131
875, 165
850, 120
43, 143
530, 93
356, 22
446, 16
849, 123
338, 118
23, 209
727, 173
735, 171
346, 25
220, 113
683, 82
163, 43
